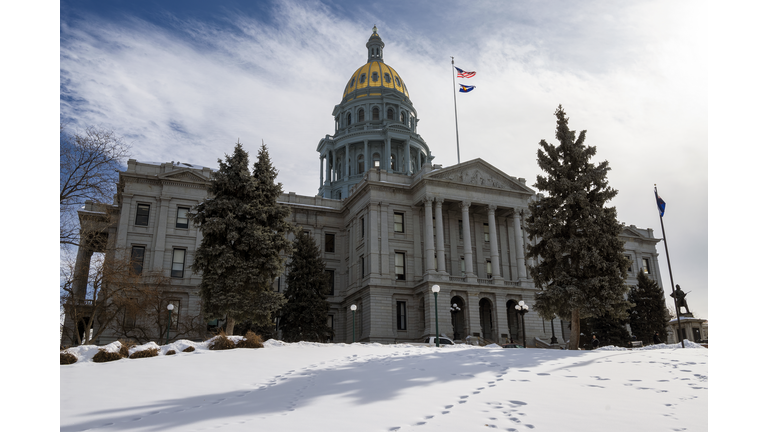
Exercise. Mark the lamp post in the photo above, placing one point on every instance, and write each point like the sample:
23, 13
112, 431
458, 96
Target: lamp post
436, 289
454, 310
353, 308
168, 331
522, 309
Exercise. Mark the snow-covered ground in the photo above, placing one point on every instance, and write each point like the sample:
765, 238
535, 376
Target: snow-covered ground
373, 387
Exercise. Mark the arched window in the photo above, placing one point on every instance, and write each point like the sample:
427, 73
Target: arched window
376, 160
362, 78
360, 164
375, 113
402, 117
387, 79
360, 115
375, 77
397, 80
393, 162
390, 114
349, 119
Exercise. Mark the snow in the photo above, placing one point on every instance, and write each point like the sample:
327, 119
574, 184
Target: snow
372, 387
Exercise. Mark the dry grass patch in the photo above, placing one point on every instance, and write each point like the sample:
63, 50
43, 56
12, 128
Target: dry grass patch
221, 342
188, 349
125, 346
251, 340
67, 358
170, 352
104, 356
152, 352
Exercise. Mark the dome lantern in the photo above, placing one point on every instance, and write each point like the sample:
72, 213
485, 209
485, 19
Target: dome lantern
375, 46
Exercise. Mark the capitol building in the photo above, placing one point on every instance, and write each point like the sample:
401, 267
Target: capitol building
389, 223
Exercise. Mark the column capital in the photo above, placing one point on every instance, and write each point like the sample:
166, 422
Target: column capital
439, 201
491, 208
428, 199
466, 204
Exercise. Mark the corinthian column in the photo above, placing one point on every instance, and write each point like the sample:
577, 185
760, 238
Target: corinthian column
428, 235
494, 242
519, 252
440, 239
468, 262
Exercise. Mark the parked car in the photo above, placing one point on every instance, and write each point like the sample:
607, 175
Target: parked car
477, 341
443, 341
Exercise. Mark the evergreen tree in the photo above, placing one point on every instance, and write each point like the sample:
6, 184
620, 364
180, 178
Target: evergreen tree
609, 330
305, 314
649, 315
580, 263
244, 231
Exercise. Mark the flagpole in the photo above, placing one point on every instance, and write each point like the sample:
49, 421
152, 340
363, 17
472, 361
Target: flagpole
455, 111
669, 264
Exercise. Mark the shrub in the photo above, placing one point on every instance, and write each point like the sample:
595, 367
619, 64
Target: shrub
67, 358
152, 352
170, 352
188, 349
251, 340
104, 356
221, 342
125, 346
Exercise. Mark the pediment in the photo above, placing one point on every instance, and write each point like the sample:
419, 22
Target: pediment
183, 175
478, 172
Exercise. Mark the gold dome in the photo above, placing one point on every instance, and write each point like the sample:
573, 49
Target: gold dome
373, 76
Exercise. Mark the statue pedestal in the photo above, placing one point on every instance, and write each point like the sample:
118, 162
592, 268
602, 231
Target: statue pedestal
693, 329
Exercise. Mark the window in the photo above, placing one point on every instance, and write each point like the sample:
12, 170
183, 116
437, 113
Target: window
387, 78
362, 78
360, 164
137, 259
362, 227
401, 313
130, 312
375, 113
463, 267
629, 270
278, 284
402, 117
174, 313
177, 267
488, 269
375, 77
352, 83
331, 281
486, 233
142, 214
360, 115
461, 231
181, 217
349, 119
646, 266
393, 162
376, 160
390, 114
362, 267
330, 242
399, 223
330, 326
397, 80
400, 265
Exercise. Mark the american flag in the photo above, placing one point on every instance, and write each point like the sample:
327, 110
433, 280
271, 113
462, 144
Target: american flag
462, 74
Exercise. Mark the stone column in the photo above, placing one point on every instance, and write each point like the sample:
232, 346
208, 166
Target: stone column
346, 161
372, 232
160, 230
408, 157
82, 268
468, 263
429, 240
494, 243
328, 163
519, 252
440, 235
365, 156
387, 158
125, 214
321, 171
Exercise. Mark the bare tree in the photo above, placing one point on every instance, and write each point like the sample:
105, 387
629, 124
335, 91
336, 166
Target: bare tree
88, 165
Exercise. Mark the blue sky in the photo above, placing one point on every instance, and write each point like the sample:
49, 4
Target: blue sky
184, 80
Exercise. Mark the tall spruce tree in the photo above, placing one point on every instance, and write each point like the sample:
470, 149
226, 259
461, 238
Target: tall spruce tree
649, 315
580, 264
304, 316
244, 232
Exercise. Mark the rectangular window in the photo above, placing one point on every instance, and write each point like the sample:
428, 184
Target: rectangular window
646, 266
331, 281
177, 267
401, 313
629, 270
461, 230
362, 267
400, 265
137, 259
488, 269
130, 311
399, 223
486, 233
174, 313
463, 267
330, 242
142, 214
330, 325
278, 284
362, 227
181, 217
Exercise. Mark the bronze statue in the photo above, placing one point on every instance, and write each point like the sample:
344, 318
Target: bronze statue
679, 295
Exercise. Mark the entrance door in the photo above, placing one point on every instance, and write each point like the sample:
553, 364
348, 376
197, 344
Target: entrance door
486, 319
458, 318
512, 317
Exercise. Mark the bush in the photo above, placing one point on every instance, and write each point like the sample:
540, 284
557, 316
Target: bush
67, 358
188, 349
152, 352
104, 356
252, 340
221, 342
126, 345
170, 352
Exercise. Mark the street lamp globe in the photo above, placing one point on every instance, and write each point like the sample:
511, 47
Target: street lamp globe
170, 306
435, 289
353, 308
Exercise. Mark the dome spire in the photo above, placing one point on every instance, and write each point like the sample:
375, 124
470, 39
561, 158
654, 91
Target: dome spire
375, 46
